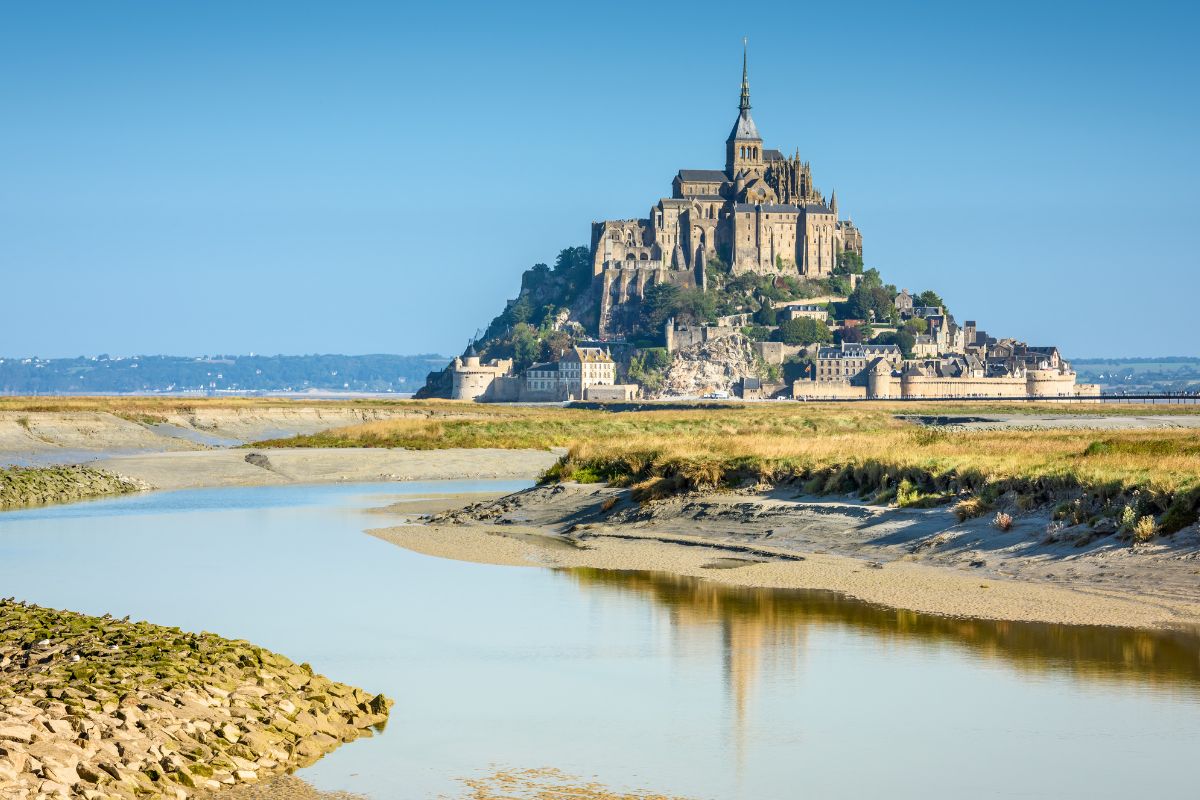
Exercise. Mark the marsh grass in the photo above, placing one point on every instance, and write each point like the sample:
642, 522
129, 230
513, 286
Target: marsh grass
862, 448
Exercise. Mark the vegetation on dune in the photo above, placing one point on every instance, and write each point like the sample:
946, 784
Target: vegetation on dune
833, 448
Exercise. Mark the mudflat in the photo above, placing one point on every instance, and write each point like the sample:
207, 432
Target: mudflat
241, 467
919, 559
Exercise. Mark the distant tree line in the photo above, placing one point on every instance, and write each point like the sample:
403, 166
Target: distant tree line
104, 374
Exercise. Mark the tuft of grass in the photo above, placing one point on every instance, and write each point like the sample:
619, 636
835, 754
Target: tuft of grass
1002, 521
1144, 529
1183, 512
971, 507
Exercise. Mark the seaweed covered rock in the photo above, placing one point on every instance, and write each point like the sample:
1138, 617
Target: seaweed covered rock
31, 486
100, 707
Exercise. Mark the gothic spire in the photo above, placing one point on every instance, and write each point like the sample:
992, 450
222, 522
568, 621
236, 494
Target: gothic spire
744, 105
833, 202
744, 129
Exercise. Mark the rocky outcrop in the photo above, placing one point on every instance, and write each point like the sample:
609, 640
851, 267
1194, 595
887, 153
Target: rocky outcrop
712, 366
31, 486
96, 707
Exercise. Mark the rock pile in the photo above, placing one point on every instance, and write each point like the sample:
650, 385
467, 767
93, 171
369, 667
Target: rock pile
31, 486
96, 707
713, 366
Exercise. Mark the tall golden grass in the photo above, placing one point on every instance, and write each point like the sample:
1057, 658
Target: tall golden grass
769, 441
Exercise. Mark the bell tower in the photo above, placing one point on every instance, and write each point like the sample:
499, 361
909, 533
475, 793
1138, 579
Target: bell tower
743, 148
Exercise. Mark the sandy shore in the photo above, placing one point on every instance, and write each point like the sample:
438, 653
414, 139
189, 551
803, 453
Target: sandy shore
206, 468
65, 437
922, 560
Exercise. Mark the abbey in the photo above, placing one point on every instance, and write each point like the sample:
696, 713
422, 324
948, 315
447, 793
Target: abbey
760, 214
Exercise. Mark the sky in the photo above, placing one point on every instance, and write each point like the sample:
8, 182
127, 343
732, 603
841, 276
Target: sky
365, 177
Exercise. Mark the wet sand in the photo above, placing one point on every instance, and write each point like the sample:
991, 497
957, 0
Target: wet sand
921, 560
288, 787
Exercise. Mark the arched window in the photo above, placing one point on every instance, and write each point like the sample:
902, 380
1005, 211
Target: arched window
645, 257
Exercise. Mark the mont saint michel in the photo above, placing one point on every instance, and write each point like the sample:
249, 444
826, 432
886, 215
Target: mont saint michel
746, 282
478, 401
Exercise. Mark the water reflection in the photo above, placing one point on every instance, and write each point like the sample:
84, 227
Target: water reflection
760, 626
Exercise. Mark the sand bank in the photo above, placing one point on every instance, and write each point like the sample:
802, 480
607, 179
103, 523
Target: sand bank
208, 468
922, 560
63, 437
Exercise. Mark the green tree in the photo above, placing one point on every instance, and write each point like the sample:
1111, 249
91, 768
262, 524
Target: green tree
647, 367
525, 345
574, 267
802, 331
658, 305
929, 298
695, 306
766, 315
916, 326
848, 263
871, 301
902, 339
520, 311
554, 344
838, 284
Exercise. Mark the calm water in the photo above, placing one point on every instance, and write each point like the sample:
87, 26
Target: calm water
640, 680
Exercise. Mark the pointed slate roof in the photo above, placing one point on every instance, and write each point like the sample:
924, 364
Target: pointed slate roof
744, 129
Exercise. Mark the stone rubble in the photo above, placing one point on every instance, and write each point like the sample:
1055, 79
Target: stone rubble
100, 708
713, 366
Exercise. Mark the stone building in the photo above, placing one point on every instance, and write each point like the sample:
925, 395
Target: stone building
583, 373
473, 380
998, 370
849, 361
761, 213
804, 311
581, 367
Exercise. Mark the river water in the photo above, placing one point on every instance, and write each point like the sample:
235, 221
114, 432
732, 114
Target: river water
636, 680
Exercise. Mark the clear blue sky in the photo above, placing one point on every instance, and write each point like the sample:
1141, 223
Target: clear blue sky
358, 177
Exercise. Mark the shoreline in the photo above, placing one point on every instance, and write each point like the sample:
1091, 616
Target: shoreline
253, 467
101, 707
898, 558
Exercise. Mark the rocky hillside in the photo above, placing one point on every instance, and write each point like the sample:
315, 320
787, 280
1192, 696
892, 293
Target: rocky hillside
96, 707
714, 366
31, 486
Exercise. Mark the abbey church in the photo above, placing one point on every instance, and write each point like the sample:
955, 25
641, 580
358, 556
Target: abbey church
760, 214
